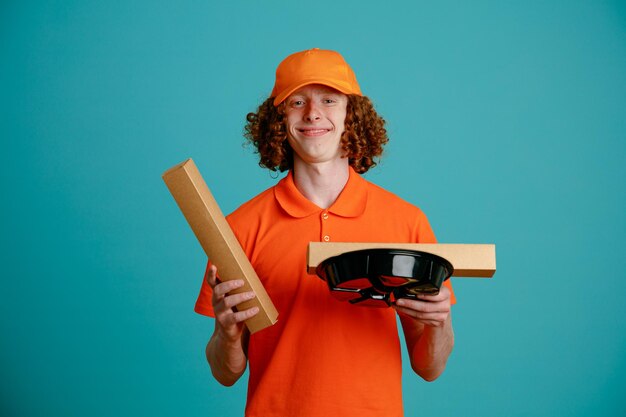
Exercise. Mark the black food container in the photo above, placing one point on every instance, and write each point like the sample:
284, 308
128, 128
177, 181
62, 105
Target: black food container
377, 277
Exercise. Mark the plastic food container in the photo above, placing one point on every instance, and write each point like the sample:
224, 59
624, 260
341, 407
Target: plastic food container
378, 277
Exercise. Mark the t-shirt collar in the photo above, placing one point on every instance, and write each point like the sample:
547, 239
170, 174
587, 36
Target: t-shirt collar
350, 203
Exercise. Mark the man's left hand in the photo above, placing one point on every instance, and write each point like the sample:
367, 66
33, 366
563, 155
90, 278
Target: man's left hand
431, 310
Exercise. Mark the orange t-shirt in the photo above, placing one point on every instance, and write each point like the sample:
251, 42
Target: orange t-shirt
324, 357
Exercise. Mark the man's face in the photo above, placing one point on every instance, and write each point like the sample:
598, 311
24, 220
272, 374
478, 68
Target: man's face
315, 117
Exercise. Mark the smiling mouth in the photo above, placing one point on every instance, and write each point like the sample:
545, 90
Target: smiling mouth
313, 132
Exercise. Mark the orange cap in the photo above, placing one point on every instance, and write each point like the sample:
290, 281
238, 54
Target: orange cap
313, 66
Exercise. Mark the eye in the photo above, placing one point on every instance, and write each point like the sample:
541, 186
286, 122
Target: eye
331, 99
296, 103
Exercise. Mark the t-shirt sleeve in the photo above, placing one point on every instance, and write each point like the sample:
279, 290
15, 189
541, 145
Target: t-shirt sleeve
203, 303
425, 234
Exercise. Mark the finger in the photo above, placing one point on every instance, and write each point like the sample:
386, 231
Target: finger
236, 299
225, 287
222, 289
230, 318
423, 306
245, 314
431, 319
211, 276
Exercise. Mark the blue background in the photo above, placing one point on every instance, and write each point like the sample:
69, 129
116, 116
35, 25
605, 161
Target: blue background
508, 125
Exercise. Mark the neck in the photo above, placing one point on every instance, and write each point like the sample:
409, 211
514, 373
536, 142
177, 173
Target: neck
321, 183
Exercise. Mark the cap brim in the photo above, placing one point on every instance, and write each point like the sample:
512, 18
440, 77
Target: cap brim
292, 88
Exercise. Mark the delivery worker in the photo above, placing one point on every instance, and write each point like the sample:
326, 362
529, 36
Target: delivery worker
323, 357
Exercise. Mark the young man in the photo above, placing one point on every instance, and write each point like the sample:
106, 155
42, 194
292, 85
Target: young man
324, 357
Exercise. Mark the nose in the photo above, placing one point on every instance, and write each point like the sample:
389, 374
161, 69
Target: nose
311, 112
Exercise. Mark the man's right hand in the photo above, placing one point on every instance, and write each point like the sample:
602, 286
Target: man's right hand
229, 321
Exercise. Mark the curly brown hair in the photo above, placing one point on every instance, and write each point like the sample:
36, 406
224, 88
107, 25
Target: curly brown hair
362, 141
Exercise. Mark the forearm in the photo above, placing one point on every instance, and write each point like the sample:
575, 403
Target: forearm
431, 352
227, 358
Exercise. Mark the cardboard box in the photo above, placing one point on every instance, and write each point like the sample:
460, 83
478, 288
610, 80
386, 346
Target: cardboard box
468, 260
217, 239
